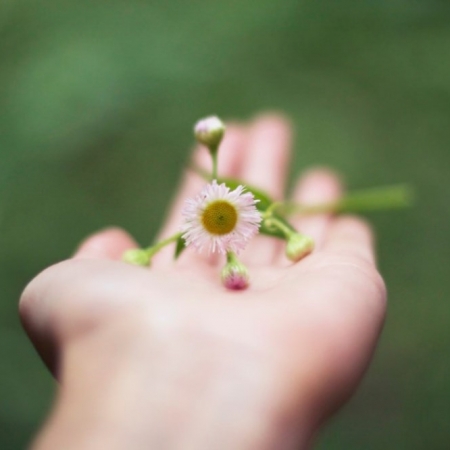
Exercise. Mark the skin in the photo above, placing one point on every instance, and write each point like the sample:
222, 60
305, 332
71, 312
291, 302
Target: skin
167, 358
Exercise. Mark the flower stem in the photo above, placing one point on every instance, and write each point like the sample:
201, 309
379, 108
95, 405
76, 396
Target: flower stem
379, 198
274, 222
231, 257
161, 244
200, 172
214, 161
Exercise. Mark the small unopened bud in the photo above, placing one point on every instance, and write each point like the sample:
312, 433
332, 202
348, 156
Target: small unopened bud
298, 246
136, 256
209, 131
235, 275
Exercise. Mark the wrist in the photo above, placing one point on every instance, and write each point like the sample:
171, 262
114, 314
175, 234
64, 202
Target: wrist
126, 387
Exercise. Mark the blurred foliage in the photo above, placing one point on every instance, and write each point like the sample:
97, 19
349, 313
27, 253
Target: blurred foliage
97, 102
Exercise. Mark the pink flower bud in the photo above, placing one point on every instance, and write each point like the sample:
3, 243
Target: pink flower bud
235, 276
209, 131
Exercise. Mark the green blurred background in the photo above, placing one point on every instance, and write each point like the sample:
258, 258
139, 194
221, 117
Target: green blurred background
97, 102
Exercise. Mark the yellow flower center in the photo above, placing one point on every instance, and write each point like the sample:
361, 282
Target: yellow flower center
219, 217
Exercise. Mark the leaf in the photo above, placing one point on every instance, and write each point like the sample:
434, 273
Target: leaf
264, 199
180, 247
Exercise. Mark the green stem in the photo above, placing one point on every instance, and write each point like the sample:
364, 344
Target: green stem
214, 161
273, 222
231, 257
270, 211
373, 199
161, 244
380, 198
200, 172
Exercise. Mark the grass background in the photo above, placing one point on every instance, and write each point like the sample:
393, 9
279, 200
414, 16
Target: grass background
97, 101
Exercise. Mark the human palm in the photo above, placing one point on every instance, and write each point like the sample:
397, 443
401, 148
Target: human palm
307, 330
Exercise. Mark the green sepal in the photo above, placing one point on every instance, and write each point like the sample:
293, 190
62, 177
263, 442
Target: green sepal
180, 247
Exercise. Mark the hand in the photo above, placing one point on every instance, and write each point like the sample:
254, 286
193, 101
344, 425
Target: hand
167, 358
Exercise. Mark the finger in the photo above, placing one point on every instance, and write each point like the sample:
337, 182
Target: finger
314, 187
345, 297
267, 154
351, 236
107, 244
230, 160
266, 167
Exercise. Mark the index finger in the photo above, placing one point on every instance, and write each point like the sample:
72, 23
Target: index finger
110, 243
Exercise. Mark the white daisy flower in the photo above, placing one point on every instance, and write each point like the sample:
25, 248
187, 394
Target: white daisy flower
219, 219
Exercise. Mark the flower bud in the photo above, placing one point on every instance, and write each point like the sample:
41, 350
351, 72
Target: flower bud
235, 275
136, 256
209, 131
298, 246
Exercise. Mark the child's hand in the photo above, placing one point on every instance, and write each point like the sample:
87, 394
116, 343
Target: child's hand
167, 358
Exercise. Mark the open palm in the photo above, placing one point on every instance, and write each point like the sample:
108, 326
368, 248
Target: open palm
309, 327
